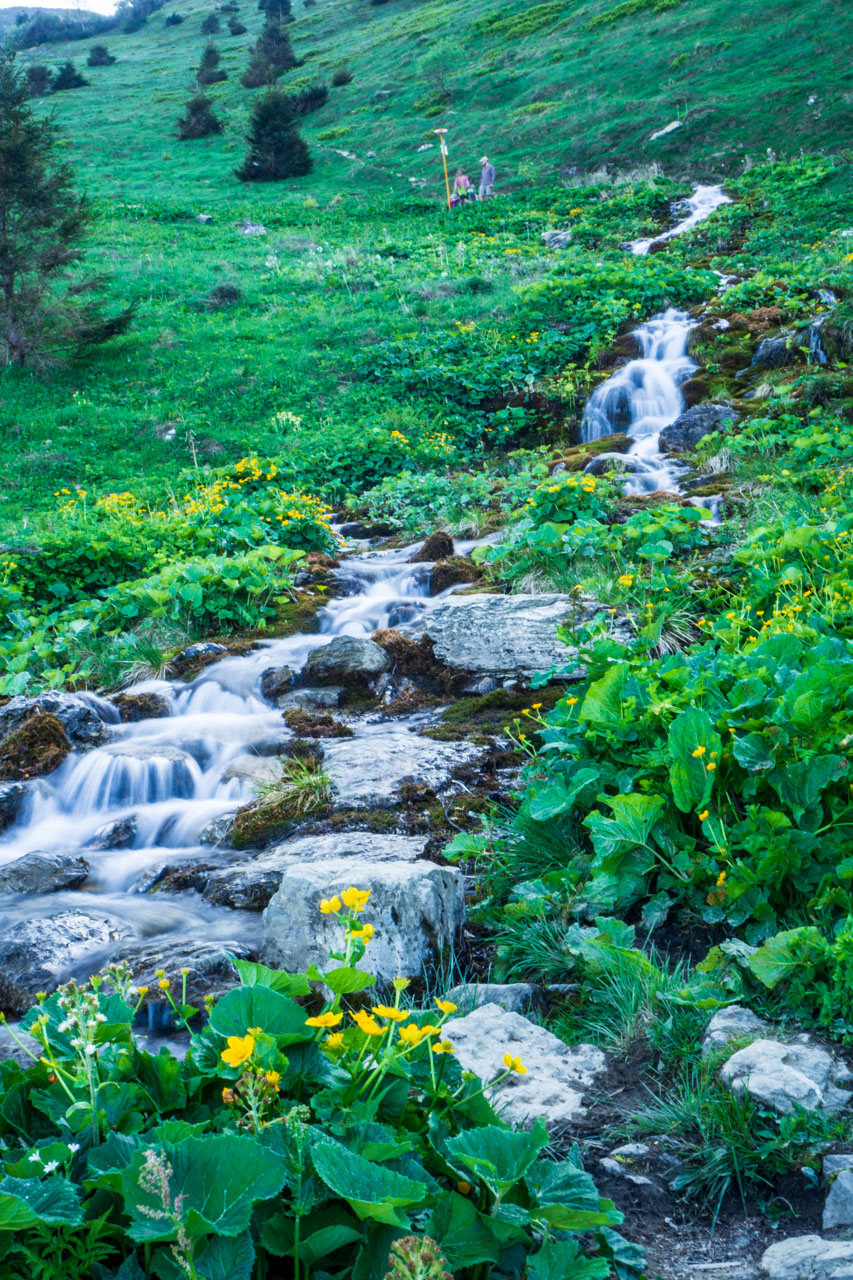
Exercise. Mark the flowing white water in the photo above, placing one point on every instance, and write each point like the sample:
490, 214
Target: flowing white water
699, 206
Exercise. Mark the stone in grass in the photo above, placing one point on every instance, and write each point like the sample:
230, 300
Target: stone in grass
838, 1210
788, 1076
515, 997
808, 1258
734, 1022
557, 1076
415, 908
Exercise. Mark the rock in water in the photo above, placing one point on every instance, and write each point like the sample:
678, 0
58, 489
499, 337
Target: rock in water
693, 425
347, 660
808, 1258
415, 908
210, 965
44, 873
367, 771
38, 955
787, 1076
83, 719
438, 546
11, 802
557, 1076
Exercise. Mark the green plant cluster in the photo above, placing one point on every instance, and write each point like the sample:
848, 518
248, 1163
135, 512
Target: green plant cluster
331, 1137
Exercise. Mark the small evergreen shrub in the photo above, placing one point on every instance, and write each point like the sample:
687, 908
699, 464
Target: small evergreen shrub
277, 10
39, 78
276, 149
270, 56
199, 119
173, 20
68, 77
99, 56
209, 71
210, 26
341, 76
236, 28
310, 99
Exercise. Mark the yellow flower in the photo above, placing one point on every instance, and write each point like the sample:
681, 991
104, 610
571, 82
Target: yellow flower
388, 1011
164, 984
703, 815
700, 751
355, 899
446, 1006
413, 1035
273, 1078
514, 1064
365, 1023
325, 1020
240, 1049
463, 1187
721, 879
329, 905
364, 934
335, 1041
626, 579
570, 702
256, 1031
143, 991
710, 767
443, 1046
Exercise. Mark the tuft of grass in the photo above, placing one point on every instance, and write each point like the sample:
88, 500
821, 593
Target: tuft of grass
302, 788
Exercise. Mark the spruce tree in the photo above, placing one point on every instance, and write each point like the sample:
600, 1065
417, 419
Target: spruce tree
39, 78
199, 119
99, 56
209, 71
269, 57
276, 149
280, 11
210, 26
42, 220
68, 77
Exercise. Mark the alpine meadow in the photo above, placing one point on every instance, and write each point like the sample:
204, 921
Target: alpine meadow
426, 640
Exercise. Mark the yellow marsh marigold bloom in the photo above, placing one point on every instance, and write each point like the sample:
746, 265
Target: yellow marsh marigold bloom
355, 899
256, 1031
412, 1035
330, 905
626, 579
367, 1024
164, 984
700, 751
364, 934
710, 767
443, 1046
703, 815
446, 1006
514, 1064
389, 1012
240, 1049
335, 1040
570, 702
325, 1020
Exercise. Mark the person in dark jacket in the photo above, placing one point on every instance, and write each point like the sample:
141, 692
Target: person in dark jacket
487, 178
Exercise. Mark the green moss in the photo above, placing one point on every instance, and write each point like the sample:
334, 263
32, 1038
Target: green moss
38, 746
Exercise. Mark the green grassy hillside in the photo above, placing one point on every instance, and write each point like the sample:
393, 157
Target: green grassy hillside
543, 87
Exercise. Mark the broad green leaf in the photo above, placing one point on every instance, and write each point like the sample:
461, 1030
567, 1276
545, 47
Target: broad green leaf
462, 1233
258, 975
634, 817
563, 1260
343, 981
31, 1202
558, 796
501, 1157
273, 1012
752, 752
567, 1198
372, 1190
789, 953
801, 783
690, 733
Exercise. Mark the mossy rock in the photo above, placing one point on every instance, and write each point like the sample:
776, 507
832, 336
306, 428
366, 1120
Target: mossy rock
256, 825
410, 657
316, 724
696, 390
140, 706
298, 615
37, 747
576, 457
450, 572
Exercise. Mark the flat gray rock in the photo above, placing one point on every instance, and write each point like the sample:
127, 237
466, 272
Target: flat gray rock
38, 955
367, 770
557, 1076
694, 424
808, 1258
346, 660
838, 1210
250, 886
515, 997
787, 1076
210, 965
835, 1163
732, 1023
415, 908
39, 872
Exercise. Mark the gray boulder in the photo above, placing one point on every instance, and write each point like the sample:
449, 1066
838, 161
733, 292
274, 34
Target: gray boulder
38, 955
205, 649
837, 1162
347, 660
44, 873
114, 835
557, 239
514, 997
504, 635
774, 353
367, 770
217, 831
84, 718
415, 908
732, 1023
693, 425
787, 1076
250, 886
210, 965
557, 1076
808, 1258
333, 695
11, 802
603, 463
277, 683
838, 1210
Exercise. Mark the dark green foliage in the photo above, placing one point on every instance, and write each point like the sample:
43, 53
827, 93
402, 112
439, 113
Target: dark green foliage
173, 20
236, 28
209, 71
68, 77
276, 149
310, 99
39, 78
269, 57
277, 10
42, 219
210, 26
99, 56
199, 119
341, 76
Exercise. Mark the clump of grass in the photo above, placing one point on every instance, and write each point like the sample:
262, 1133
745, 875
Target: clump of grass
302, 788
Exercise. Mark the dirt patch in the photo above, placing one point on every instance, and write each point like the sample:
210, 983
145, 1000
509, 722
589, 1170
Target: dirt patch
316, 724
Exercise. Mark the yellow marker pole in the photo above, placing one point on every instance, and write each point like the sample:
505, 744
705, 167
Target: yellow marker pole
443, 144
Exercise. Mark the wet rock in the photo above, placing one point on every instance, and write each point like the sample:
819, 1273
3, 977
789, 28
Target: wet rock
732, 1023
37, 746
438, 546
174, 877
808, 1258
252, 768
313, 699
356, 529
415, 908
38, 955
451, 572
207, 649
775, 353
277, 683
838, 1210
694, 424
788, 1076
217, 831
603, 463
114, 835
367, 771
83, 719
557, 1076
40, 872
410, 657
133, 707
250, 886
210, 964
12, 1051
316, 724
11, 802
514, 997
348, 660
504, 635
